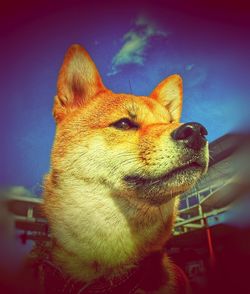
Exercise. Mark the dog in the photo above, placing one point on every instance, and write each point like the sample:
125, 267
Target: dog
118, 164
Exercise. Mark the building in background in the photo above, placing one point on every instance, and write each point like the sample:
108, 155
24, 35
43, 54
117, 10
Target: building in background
211, 237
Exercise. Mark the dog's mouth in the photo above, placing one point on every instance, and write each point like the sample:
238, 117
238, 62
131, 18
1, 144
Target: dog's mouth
137, 180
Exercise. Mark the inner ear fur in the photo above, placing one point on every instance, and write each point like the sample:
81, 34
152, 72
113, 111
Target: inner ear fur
169, 93
78, 81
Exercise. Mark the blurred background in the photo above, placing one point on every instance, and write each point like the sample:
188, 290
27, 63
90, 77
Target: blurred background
135, 46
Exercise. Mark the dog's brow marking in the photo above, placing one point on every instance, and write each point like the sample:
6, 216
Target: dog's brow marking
132, 114
132, 110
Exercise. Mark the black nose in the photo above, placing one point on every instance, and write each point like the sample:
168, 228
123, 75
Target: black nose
192, 134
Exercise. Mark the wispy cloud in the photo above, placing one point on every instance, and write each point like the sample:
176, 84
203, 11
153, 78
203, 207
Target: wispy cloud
197, 75
135, 43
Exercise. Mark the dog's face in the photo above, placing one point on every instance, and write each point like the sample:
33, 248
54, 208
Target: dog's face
124, 141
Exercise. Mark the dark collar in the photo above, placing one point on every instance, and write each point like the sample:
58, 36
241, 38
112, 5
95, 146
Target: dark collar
55, 281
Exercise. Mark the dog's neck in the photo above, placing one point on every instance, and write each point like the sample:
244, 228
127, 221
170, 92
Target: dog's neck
98, 232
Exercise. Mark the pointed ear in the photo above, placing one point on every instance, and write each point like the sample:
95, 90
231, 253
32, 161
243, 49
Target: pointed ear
169, 94
78, 81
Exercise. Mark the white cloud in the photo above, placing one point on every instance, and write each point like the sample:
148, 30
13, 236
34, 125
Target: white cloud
20, 191
189, 67
134, 44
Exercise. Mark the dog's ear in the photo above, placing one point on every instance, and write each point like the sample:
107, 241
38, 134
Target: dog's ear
78, 81
169, 94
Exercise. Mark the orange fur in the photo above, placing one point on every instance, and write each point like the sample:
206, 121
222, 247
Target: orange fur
101, 226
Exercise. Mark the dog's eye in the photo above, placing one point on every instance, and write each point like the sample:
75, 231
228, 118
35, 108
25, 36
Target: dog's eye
125, 124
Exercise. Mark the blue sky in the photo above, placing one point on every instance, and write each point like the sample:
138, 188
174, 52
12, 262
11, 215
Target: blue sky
131, 46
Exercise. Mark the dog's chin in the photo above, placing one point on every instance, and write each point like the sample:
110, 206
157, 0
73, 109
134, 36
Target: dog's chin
159, 190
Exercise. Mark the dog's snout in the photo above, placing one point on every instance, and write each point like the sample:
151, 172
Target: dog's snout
192, 134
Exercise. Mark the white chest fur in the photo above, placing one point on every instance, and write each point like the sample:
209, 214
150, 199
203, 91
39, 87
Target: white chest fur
97, 232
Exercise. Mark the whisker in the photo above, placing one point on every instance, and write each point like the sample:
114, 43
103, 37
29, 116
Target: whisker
161, 215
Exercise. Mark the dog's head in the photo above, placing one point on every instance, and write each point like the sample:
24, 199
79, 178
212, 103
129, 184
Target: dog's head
131, 144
